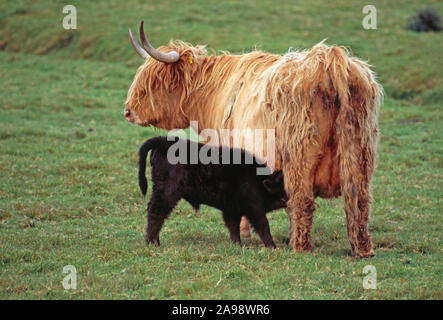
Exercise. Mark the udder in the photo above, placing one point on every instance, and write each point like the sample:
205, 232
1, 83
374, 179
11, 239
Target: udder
327, 179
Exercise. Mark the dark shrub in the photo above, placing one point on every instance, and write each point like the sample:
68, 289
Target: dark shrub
425, 20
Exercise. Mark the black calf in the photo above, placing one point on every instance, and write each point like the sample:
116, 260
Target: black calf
235, 189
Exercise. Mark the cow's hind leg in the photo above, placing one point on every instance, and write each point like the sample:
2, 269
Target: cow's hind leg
357, 200
356, 148
357, 218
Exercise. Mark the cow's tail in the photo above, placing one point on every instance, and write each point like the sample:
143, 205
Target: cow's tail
356, 130
142, 155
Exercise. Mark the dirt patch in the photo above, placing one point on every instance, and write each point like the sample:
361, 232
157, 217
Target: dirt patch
58, 42
409, 121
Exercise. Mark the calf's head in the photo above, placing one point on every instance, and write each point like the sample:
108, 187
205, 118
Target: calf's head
161, 87
276, 195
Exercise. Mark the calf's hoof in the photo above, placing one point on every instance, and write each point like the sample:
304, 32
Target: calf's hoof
236, 243
271, 246
151, 241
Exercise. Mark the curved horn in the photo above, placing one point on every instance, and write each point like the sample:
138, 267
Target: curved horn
142, 53
169, 57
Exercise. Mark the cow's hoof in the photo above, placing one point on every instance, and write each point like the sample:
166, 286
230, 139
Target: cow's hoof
360, 255
306, 247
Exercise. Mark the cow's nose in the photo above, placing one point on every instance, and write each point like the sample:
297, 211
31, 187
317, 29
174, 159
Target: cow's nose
127, 115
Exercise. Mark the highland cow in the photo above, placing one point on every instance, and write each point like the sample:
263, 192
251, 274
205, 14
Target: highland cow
235, 189
322, 104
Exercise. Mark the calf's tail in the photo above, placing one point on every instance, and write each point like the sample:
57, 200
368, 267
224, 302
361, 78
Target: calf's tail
142, 155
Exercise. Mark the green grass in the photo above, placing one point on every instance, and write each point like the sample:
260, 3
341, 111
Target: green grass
68, 189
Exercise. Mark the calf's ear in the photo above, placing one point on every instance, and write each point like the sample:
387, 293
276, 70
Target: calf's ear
274, 184
269, 185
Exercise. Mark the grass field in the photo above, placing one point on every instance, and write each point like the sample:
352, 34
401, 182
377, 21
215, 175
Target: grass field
68, 189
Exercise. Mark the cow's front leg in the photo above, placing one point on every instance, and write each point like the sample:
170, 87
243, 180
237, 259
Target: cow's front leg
300, 209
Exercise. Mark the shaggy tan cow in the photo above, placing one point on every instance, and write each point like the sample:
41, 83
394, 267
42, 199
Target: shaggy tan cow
321, 102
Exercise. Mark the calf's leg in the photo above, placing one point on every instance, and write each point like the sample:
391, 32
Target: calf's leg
232, 222
257, 216
159, 208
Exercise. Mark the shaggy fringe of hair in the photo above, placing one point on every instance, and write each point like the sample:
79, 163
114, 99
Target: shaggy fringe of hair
279, 89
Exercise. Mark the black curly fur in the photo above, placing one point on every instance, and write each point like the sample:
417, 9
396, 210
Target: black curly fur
235, 189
